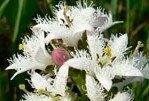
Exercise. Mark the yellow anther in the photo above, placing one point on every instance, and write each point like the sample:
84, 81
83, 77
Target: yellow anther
69, 22
139, 45
107, 51
21, 47
42, 91
22, 87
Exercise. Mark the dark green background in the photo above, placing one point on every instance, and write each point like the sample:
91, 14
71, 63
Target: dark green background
16, 19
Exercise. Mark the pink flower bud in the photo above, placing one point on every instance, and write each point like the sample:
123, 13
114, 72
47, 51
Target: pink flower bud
59, 56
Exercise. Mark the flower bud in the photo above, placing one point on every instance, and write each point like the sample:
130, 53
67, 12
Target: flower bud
59, 56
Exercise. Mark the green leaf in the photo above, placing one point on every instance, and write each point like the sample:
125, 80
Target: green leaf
79, 80
3, 6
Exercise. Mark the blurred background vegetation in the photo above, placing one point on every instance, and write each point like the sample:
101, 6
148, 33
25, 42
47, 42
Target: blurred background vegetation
16, 19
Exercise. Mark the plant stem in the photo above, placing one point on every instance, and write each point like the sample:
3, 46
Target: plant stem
128, 16
18, 20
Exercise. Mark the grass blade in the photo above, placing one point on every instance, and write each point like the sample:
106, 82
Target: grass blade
18, 20
3, 6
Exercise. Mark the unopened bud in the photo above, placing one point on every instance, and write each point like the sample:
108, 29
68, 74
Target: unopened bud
59, 56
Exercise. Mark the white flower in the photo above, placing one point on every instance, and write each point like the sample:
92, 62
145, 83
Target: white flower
102, 66
125, 96
35, 56
56, 86
88, 18
71, 22
94, 91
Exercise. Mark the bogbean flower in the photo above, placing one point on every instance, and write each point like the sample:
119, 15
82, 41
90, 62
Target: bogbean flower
71, 22
48, 88
45, 82
35, 55
105, 60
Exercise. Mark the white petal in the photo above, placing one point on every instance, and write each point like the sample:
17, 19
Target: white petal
125, 96
127, 81
99, 21
61, 80
108, 23
43, 57
36, 97
141, 62
38, 82
94, 90
145, 71
118, 45
96, 45
22, 64
41, 27
80, 63
105, 77
125, 68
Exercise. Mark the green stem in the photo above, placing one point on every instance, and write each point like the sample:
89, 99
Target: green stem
128, 15
114, 7
3, 6
18, 20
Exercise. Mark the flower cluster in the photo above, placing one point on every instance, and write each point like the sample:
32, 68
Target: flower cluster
75, 61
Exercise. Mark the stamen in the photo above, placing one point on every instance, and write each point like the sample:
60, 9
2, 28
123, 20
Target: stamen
42, 91
106, 56
139, 45
69, 22
107, 51
22, 87
21, 47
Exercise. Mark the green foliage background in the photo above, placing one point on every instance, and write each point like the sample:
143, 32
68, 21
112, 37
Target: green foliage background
16, 19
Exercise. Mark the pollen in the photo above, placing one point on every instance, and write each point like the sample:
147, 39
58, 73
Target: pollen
21, 47
107, 51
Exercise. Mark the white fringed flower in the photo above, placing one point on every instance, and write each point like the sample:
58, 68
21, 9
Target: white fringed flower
71, 22
88, 18
106, 62
100, 62
124, 96
56, 86
35, 56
